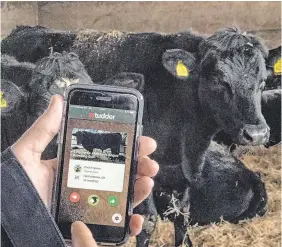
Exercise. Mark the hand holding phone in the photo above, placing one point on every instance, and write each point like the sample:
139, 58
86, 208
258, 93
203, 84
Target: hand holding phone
28, 151
97, 160
81, 235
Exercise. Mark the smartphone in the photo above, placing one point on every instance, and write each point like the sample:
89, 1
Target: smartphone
98, 149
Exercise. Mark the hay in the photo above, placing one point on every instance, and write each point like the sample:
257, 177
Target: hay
96, 36
90, 43
93, 39
256, 232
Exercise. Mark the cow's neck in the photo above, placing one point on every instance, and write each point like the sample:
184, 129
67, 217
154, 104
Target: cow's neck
195, 142
183, 133
198, 131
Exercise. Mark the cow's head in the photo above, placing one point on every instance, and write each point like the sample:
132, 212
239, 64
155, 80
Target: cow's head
30, 43
56, 72
231, 72
79, 136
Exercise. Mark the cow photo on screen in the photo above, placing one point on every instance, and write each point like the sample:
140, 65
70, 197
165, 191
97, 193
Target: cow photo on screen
98, 145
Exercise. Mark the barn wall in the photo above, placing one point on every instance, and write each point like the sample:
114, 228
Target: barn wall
203, 17
17, 13
161, 16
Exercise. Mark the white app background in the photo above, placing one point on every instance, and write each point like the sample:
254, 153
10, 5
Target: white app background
84, 174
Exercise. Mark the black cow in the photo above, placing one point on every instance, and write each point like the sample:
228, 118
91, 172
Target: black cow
271, 110
223, 89
99, 50
102, 141
271, 105
271, 102
14, 117
18, 73
40, 46
211, 84
49, 76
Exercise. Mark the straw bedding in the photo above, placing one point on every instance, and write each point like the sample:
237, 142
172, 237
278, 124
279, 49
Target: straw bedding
256, 232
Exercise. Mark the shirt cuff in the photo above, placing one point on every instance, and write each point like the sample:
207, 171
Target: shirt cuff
24, 216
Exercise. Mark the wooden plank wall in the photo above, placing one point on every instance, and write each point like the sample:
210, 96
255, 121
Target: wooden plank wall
202, 17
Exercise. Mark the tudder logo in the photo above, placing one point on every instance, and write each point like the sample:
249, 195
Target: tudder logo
101, 116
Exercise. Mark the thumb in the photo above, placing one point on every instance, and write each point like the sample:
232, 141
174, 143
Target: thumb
38, 136
81, 235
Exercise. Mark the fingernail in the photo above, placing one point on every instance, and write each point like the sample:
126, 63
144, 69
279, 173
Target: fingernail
152, 183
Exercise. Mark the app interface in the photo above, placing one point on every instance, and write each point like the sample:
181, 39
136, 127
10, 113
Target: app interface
97, 160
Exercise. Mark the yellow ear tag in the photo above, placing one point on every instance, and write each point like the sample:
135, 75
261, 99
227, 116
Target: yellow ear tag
278, 67
3, 102
181, 69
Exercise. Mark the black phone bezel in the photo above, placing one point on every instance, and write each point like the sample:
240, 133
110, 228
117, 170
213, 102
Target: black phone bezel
101, 233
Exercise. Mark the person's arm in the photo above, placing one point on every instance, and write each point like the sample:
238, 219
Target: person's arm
22, 209
27, 183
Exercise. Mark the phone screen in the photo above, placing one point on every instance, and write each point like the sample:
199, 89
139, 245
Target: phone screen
98, 151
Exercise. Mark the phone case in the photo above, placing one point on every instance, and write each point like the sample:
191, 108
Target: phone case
139, 130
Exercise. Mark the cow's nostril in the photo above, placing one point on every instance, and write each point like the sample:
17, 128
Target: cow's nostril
254, 135
247, 136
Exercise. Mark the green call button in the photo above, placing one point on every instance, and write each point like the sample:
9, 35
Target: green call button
112, 201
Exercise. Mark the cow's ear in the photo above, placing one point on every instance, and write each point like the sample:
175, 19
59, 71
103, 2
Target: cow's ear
12, 70
179, 63
126, 79
273, 61
274, 68
12, 99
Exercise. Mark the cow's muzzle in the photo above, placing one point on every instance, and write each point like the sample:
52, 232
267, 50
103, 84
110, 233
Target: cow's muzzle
254, 135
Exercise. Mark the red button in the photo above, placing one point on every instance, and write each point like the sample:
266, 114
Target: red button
74, 197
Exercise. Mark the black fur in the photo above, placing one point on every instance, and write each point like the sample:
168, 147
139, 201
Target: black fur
48, 72
27, 103
271, 109
27, 43
18, 73
102, 141
14, 115
271, 104
183, 115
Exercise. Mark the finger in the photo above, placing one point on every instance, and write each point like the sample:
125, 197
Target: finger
38, 136
81, 235
142, 188
147, 145
135, 224
147, 167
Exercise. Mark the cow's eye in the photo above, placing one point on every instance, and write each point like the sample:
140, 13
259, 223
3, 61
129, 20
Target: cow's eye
226, 89
248, 49
229, 89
